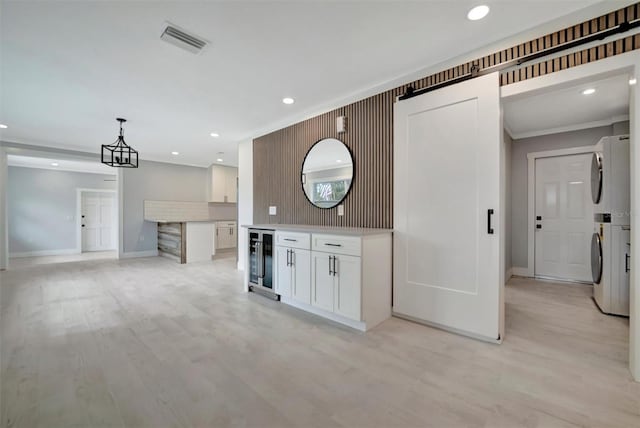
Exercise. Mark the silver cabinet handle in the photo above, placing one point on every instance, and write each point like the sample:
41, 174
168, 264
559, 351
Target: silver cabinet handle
330, 272
334, 266
332, 245
290, 240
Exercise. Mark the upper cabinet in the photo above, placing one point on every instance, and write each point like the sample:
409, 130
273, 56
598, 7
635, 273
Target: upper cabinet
223, 184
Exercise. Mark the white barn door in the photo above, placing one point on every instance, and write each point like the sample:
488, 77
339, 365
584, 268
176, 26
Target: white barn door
447, 165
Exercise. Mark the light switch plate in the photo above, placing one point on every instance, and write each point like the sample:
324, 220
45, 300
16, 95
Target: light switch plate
273, 210
340, 209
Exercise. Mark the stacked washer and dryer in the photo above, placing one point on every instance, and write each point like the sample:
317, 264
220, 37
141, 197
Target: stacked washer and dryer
611, 240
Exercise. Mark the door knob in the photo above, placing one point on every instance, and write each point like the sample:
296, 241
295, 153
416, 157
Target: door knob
83, 225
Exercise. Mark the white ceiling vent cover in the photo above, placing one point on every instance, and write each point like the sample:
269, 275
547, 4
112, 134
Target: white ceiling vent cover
182, 39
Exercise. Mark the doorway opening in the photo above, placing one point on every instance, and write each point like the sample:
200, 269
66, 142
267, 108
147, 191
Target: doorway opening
60, 210
563, 146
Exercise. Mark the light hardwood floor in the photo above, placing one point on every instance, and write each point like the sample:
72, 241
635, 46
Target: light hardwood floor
152, 343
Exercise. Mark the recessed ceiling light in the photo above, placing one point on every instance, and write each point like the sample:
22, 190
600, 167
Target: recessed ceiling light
219, 160
175, 153
339, 160
632, 81
3, 126
214, 134
288, 100
54, 163
478, 12
589, 91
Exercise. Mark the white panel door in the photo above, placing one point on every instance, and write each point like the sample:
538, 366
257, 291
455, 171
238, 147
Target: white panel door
98, 225
564, 217
447, 267
283, 271
301, 278
322, 281
347, 287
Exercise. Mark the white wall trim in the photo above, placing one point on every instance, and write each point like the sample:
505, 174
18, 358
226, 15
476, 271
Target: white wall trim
569, 128
79, 192
138, 254
41, 253
613, 66
520, 271
531, 196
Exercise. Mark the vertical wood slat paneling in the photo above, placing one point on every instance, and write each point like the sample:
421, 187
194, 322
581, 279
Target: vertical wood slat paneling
278, 156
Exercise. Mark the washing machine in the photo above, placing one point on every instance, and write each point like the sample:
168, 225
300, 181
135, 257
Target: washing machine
610, 265
610, 179
611, 240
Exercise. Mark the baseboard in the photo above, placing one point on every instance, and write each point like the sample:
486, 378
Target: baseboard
358, 325
64, 252
138, 254
520, 271
508, 275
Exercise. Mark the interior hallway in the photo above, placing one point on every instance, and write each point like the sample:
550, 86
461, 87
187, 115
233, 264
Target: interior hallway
149, 342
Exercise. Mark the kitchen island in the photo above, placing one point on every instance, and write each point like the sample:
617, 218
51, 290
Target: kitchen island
185, 230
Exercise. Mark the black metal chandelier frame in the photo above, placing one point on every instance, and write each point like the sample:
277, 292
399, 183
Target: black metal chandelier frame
119, 154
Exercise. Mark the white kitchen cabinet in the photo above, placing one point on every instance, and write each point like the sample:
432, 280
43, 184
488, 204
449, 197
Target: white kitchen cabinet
347, 286
336, 284
293, 266
283, 272
322, 282
226, 235
231, 185
301, 277
345, 278
222, 185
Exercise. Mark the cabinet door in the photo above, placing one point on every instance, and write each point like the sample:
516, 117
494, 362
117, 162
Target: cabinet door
347, 286
321, 281
231, 183
301, 276
283, 272
218, 184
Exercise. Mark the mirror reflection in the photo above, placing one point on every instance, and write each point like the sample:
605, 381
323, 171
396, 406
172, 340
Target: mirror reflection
327, 173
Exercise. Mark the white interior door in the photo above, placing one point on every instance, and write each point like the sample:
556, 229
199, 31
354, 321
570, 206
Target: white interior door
98, 225
447, 265
564, 217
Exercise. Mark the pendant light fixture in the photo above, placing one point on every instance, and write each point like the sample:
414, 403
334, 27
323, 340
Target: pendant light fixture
119, 154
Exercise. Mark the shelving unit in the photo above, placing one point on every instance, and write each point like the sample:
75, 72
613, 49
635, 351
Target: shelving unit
171, 241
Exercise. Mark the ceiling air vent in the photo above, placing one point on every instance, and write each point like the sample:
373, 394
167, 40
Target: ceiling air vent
183, 40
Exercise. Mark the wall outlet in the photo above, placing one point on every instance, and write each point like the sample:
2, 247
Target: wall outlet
340, 209
273, 210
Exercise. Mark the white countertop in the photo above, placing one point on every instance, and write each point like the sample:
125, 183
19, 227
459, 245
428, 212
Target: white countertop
337, 230
163, 220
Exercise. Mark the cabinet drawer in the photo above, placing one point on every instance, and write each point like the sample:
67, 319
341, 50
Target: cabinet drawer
350, 245
293, 240
226, 224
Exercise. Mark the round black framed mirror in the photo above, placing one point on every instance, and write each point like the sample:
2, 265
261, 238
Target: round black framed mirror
327, 173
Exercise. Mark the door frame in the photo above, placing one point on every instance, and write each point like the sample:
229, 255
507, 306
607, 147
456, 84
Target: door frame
116, 227
627, 63
530, 270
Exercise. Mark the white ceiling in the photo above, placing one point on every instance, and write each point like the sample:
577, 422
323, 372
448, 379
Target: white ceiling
63, 164
70, 68
569, 109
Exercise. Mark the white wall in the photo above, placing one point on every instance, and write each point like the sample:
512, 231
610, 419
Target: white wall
4, 235
519, 177
154, 181
42, 208
245, 198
